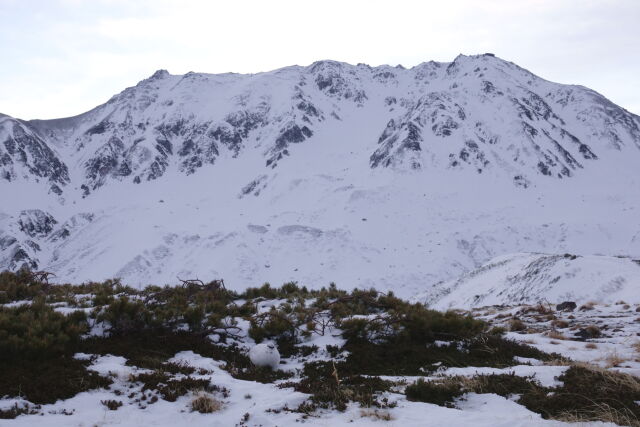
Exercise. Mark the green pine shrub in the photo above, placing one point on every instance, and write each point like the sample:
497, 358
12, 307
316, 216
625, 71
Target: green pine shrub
37, 331
125, 316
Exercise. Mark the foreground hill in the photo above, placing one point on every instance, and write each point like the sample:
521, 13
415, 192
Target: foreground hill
533, 278
107, 354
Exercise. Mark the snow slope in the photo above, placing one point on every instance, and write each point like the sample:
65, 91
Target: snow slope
365, 176
531, 278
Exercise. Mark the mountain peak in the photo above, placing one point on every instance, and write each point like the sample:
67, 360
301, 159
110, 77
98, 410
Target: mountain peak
326, 64
159, 74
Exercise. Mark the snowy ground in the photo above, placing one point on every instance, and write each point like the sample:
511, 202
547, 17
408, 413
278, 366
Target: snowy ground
255, 399
255, 404
617, 347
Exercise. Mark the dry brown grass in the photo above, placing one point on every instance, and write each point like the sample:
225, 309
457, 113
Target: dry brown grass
517, 325
540, 309
589, 393
600, 412
205, 404
613, 376
553, 334
613, 359
589, 305
560, 324
544, 308
559, 362
591, 345
636, 346
623, 379
593, 330
376, 414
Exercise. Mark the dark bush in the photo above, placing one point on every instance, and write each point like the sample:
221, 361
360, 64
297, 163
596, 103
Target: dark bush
18, 286
17, 410
125, 316
442, 393
588, 395
47, 380
504, 384
273, 324
330, 390
170, 388
37, 331
112, 405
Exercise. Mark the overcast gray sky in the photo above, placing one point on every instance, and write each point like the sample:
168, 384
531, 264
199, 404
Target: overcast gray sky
63, 57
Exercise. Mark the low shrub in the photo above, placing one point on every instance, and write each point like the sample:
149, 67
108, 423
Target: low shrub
18, 286
170, 388
48, 380
588, 394
17, 410
503, 384
443, 392
37, 331
329, 389
125, 316
112, 405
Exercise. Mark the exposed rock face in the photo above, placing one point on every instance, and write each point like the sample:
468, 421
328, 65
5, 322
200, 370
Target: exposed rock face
25, 154
16, 254
477, 113
36, 223
538, 137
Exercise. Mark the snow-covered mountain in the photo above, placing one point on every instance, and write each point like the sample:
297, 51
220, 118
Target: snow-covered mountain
366, 176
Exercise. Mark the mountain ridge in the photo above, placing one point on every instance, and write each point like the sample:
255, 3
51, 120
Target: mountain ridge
119, 150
